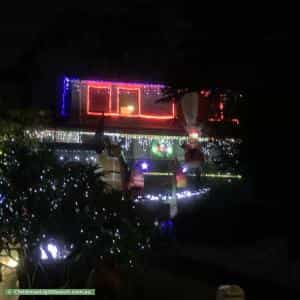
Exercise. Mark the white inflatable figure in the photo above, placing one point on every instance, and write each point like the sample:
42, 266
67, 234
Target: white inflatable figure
230, 292
190, 106
109, 162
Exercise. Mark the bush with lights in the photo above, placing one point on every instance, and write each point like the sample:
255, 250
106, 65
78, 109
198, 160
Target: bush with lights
63, 214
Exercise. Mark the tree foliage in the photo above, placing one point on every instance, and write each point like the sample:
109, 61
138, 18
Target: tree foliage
43, 201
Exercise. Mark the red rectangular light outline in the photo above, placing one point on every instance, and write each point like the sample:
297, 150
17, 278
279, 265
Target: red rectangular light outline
139, 99
89, 112
123, 86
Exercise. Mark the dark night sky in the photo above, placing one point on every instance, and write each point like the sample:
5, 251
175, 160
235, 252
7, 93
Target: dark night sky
143, 42
250, 50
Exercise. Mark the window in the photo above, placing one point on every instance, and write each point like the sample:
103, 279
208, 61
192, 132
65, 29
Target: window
151, 107
98, 100
129, 101
126, 100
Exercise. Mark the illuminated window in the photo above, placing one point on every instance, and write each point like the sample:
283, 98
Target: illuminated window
99, 99
129, 101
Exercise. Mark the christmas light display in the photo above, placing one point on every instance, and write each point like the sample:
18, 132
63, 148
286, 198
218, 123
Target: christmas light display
121, 88
161, 149
9, 260
52, 249
144, 166
167, 197
136, 91
42, 198
104, 88
69, 136
45, 194
227, 176
11, 263
83, 156
221, 155
66, 97
211, 175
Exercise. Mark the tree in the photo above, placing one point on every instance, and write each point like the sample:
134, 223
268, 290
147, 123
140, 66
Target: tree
58, 214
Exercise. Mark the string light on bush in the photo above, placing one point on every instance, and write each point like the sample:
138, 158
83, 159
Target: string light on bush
231, 176
179, 195
212, 147
59, 185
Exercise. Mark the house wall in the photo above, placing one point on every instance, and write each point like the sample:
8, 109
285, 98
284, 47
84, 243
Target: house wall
78, 110
82, 108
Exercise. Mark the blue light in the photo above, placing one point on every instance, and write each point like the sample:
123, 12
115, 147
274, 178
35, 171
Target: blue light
144, 166
2, 198
66, 97
167, 227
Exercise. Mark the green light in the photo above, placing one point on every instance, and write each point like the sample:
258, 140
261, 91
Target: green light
170, 150
154, 149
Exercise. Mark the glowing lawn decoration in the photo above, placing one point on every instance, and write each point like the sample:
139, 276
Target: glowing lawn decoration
54, 250
43, 254
12, 263
161, 149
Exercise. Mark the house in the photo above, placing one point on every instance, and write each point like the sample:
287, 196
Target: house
149, 132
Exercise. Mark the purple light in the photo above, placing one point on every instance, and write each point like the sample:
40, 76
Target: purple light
137, 84
144, 166
184, 169
2, 198
66, 96
67, 92
63, 100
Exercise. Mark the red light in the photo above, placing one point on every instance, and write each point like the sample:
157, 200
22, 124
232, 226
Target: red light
236, 121
205, 93
129, 89
88, 97
221, 106
194, 135
122, 86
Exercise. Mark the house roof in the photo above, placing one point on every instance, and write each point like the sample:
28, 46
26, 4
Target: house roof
129, 125
136, 125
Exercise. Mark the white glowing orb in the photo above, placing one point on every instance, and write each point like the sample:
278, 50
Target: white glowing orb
144, 166
184, 169
130, 108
